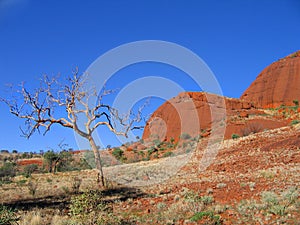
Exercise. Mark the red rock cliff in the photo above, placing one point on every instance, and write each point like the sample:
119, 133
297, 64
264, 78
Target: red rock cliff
277, 84
191, 112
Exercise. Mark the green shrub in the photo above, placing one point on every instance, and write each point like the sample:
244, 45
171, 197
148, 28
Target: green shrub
7, 216
157, 142
207, 199
191, 196
118, 153
29, 169
185, 144
270, 198
64, 162
215, 219
172, 140
7, 171
21, 182
294, 122
278, 205
89, 208
86, 203
235, 136
168, 154
296, 102
89, 159
151, 150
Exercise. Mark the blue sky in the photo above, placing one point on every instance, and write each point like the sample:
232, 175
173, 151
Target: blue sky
237, 39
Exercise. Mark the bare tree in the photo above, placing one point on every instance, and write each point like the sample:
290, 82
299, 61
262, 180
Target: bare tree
56, 102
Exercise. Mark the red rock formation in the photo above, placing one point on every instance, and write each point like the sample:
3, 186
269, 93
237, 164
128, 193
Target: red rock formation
191, 113
277, 84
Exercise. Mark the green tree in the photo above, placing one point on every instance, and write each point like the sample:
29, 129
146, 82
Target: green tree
51, 159
29, 169
60, 161
7, 171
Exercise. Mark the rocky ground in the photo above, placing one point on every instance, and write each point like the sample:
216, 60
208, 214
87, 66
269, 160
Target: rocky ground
253, 180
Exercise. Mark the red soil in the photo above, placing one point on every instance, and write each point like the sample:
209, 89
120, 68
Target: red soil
24, 162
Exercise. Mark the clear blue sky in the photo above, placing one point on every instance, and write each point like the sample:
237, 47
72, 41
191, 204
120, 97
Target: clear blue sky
237, 39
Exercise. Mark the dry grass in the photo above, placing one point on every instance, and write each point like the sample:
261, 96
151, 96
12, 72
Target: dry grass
31, 218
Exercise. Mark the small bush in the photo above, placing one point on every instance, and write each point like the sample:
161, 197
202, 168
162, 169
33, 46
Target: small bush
168, 154
86, 203
215, 219
294, 122
235, 136
32, 187
157, 142
7, 171
151, 150
89, 208
76, 182
207, 199
7, 216
118, 153
270, 198
29, 169
21, 182
191, 196
273, 203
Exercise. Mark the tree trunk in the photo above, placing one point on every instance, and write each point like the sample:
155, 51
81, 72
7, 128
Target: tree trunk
97, 161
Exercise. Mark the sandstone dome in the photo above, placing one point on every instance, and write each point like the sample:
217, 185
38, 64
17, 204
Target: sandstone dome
278, 84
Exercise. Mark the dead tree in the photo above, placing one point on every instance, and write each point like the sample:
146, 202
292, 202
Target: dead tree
62, 103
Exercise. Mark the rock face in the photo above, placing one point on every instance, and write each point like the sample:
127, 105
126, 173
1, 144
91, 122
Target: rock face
192, 113
277, 84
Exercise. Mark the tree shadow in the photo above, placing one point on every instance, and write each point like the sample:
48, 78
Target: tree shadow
62, 202
122, 193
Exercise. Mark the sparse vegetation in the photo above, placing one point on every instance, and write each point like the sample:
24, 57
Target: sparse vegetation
188, 201
89, 208
168, 154
119, 154
7, 171
76, 182
213, 219
7, 216
29, 169
235, 136
32, 187
294, 122
296, 102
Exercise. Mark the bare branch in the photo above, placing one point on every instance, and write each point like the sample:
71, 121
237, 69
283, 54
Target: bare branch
63, 103
54, 102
